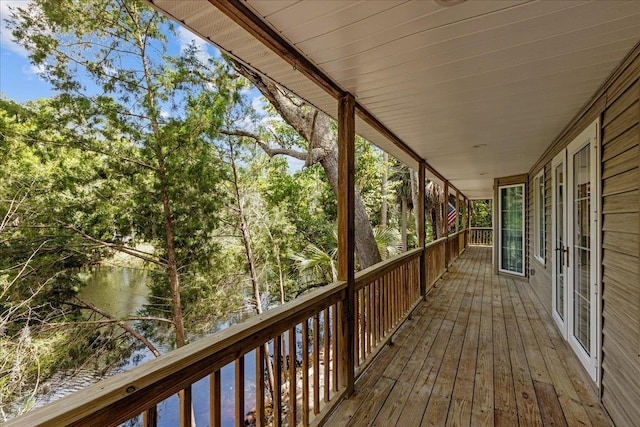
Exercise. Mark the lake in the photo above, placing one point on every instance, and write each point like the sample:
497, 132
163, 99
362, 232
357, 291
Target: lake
122, 292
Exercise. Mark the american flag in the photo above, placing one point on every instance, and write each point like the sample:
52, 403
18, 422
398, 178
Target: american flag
451, 218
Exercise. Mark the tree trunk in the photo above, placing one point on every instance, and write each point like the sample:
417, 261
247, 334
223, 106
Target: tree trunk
403, 231
246, 239
172, 264
280, 273
366, 246
316, 127
414, 195
385, 177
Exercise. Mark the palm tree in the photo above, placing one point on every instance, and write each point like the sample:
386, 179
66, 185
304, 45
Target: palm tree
404, 196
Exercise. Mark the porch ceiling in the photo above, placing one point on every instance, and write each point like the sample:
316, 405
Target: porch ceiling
478, 89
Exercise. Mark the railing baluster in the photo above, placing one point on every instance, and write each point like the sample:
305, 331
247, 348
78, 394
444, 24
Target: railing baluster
277, 389
381, 300
337, 320
215, 418
387, 300
383, 297
260, 359
185, 407
327, 351
363, 330
316, 364
150, 417
305, 372
239, 390
393, 298
293, 383
379, 309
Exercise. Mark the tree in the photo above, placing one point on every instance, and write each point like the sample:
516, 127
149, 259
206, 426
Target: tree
481, 213
434, 207
319, 146
402, 177
140, 113
40, 332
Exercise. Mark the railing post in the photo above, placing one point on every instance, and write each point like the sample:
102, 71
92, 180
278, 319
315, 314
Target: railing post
446, 224
457, 211
346, 236
421, 229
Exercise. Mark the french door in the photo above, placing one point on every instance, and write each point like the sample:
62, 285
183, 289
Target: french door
576, 246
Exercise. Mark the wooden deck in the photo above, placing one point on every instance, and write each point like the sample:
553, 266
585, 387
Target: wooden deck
480, 351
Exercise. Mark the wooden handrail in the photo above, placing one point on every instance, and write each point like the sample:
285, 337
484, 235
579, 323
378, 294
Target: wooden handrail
385, 295
481, 236
109, 402
382, 268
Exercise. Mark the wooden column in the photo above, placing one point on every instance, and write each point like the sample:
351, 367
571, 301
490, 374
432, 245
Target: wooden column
457, 211
421, 229
445, 223
346, 235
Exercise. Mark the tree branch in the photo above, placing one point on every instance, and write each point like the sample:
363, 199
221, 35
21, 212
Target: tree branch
145, 256
131, 331
271, 152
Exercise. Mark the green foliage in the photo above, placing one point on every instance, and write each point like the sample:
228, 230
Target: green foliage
481, 213
130, 152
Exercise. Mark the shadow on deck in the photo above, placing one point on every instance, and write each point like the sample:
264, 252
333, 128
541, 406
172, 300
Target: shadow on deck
480, 351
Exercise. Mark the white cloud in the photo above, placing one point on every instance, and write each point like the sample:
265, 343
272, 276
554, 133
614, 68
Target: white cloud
258, 104
6, 39
186, 38
30, 70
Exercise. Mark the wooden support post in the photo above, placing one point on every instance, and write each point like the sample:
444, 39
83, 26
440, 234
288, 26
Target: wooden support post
346, 235
468, 222
457, 211
421, 229
445, 221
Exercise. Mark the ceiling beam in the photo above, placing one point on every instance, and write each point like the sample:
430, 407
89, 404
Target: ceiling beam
242, 15
245, 17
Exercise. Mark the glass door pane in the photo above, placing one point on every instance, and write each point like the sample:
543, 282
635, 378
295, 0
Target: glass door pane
512, 229
582, 248
559, 248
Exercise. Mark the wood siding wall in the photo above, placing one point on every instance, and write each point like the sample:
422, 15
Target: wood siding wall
618, 105
539, 273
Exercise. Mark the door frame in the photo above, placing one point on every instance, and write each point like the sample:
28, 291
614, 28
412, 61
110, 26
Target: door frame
592, 360
559, 160
499, 228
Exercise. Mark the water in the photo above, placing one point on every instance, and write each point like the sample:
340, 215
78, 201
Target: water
122, 292
119, 291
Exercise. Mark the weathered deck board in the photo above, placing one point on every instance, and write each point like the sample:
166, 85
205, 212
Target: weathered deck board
480, 351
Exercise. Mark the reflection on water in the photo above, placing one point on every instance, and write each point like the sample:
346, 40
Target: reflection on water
123, 292
119, 291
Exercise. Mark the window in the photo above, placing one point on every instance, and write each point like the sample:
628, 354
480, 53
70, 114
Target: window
539, 226
511, 228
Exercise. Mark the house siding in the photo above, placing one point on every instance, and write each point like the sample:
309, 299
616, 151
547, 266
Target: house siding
540, 273
617, 103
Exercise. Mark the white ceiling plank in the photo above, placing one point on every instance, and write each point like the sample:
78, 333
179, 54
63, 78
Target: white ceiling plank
509, 74
422, 31
266, 8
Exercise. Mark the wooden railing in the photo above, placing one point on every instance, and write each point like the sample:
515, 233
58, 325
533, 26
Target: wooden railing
309, 323
384, 294
435, 261
293, 349
481, 236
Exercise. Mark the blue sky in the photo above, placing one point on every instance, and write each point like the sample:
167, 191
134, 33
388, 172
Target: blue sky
19, 80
